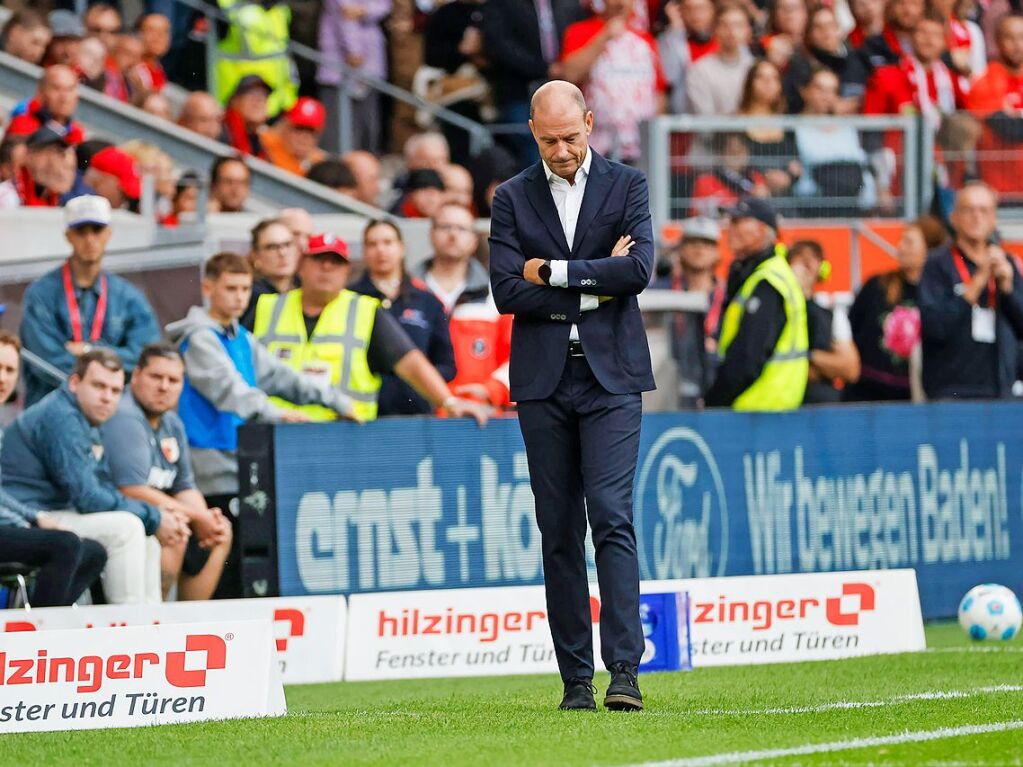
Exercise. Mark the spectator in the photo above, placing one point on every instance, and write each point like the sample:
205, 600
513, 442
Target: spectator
522, 43
351, 38
731, 178
246, 116
714, 83
825, 48
836, 178
692, 335
763, 343
920, 81
66, 37
53, 460
201, 114
146, 446
885, 321
154, 31
79, 305
772, 150
786, 31
451, 273
688, 37
834, 359
92, 64
155, 104
453, 45
230, 184
56, 102
893, 43
120, 80
607, 58
274, 257
426, 151
366, 169
333, 174
971, 306
310, 330
996, 99
230, 378
300, 223
103, 21
411, 303
25, 36
291, 144
490, 168
48, 176
424, 194
869, 18
152, 161
185, 201
67, 565
458, 188
966, 52
256, 47
113, 175
12, 157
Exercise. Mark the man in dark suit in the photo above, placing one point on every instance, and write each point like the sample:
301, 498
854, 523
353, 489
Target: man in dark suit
579, 361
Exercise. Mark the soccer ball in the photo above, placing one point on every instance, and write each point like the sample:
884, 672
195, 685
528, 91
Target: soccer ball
990, 611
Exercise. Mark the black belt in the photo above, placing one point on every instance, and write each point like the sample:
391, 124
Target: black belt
575, 349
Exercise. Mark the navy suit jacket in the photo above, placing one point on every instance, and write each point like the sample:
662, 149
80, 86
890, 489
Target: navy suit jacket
524, 224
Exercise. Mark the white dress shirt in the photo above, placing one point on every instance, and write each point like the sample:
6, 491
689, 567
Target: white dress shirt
568, 199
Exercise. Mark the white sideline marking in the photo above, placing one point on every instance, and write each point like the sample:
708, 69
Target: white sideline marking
738, 757
994, 648
855, 704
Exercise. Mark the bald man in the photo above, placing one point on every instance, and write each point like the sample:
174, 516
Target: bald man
202, 114
571, 247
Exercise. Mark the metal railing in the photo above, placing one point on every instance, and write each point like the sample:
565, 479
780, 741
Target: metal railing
824, 167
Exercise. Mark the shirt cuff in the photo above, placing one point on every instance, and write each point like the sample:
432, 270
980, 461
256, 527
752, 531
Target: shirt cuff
559, 274
588, 303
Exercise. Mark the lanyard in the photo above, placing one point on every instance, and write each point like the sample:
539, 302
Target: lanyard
75, 314
957, 259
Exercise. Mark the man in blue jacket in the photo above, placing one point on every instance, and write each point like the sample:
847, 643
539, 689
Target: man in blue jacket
53, 460
78, 305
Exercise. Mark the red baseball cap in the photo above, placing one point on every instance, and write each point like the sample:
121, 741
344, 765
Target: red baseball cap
120, 165
320, 244
307, 113
22, 125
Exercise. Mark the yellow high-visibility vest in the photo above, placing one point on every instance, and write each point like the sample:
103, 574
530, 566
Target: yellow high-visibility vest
782, 382
256, 43
335, 353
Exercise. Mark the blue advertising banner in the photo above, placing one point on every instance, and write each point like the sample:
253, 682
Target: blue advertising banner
428, 503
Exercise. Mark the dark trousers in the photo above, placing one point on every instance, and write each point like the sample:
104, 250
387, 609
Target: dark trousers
582, 444
67, 564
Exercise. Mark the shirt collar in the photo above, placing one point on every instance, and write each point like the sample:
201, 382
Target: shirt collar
583, 172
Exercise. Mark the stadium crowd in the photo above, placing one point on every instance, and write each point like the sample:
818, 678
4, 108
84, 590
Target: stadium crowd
129, 467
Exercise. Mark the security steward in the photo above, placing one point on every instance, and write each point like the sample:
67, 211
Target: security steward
347, 340
256, 43
763, 340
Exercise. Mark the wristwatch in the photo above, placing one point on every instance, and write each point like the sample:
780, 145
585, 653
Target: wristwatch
544, 272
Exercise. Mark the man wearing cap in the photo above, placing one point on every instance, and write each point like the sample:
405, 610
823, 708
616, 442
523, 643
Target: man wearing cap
424, 194
246, 116
68, 32
763, 342
692, 334
345, 339
47, 177
292, 143
114, 176
79, 305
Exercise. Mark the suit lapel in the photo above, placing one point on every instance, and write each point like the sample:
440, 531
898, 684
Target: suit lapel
538, 192
597, 187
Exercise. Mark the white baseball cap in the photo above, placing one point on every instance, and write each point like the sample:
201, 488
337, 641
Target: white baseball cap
87, 209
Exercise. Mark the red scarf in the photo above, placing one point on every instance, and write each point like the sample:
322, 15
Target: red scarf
958, 35
239, 137
857, 37
934, 92
893, 40
29, 194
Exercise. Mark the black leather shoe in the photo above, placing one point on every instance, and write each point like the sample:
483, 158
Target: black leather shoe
579, 692
623, 693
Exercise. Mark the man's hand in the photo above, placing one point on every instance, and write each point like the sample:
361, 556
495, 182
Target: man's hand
293, 416
615, 27
76, 348
531, 271
1001, 269
205, 526
173, 529
456, 407
623, 246
45, 522
476, 391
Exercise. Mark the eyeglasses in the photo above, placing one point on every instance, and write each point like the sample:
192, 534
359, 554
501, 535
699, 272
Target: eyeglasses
94, 30
453, 228
277, 247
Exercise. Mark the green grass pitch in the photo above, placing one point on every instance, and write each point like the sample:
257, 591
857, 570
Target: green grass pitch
913, 710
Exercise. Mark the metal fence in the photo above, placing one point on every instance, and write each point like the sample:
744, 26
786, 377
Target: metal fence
810, 167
